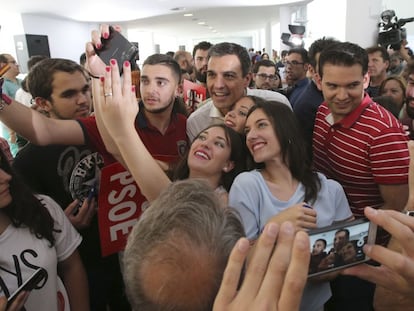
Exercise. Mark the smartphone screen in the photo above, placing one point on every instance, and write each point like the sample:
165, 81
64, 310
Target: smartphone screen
28, 285
339, 246
117, 47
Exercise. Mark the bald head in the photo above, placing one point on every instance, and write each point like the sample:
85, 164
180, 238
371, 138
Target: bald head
177, 252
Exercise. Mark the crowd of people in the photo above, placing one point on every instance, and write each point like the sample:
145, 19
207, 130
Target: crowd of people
266, 158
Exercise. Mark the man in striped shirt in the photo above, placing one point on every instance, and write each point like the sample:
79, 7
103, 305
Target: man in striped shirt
359, 144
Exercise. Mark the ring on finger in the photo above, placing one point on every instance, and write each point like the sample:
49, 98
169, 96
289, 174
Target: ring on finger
108, 94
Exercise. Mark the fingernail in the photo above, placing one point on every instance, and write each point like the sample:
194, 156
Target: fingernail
272, 230
367, 248
102, 79
133, 88
243, 245
306, 205
287, 228
126, 63
98, 46
106, 35
113, 62
370, 211
108, 69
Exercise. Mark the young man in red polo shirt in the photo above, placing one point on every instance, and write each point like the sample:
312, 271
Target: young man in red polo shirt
362, 146
162, 130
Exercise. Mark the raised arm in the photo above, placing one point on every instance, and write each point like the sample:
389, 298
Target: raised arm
117, 108
37, 128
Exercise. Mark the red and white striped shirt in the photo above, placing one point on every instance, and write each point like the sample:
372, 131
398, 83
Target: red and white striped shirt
366, 148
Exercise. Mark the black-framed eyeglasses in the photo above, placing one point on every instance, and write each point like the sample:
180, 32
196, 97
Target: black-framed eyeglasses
292, 63
264, 76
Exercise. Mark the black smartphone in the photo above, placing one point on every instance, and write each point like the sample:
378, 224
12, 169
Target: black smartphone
340, 246
116, 46
28, 285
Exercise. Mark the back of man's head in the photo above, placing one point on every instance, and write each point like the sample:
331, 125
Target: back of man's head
177, 252
33, 60
41, 75
318, 46
344, 54
165, 60
227, 48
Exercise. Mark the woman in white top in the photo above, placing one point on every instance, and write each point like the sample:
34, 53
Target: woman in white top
35, 233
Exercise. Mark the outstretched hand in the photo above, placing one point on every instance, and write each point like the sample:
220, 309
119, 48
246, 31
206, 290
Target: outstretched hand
116, 106
396, 272
94, 63
275, 276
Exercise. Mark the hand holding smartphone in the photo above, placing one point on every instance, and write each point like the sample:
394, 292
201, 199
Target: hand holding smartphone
116, 46
28, 285
339, 246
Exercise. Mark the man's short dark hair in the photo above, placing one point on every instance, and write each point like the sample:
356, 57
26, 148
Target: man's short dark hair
318, 46
323, 241
41, 75
263, 63
344, 54
166, 60
382, 50
302, 52
203, 45
33, 60
227, 48
343, 230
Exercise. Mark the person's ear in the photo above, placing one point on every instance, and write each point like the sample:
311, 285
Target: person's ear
43, 103
228, 167
318, 80
247, 79
366, 80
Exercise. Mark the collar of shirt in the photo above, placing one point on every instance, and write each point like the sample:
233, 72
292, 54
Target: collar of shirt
353, 117
142, 122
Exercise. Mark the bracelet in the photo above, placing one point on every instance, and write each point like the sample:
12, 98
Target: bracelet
4, 101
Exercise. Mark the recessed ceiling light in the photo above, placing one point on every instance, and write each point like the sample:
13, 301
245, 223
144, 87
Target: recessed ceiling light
188, 14
201, 23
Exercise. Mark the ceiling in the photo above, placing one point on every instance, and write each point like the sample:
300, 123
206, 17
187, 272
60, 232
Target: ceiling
234, 17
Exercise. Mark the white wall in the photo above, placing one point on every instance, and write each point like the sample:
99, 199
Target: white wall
323, 22
11, 24
66, 38
362, 18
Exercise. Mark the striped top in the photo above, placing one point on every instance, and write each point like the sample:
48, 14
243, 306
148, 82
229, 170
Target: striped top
366, 148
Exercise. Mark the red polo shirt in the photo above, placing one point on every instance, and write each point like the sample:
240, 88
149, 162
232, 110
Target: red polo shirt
169, 146
366, 148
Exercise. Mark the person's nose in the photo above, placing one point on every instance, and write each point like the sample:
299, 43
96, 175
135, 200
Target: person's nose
410, 91
4, 177
342, 93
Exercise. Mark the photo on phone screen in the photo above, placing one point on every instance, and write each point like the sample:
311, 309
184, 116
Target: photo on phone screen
339, 246
117, 47
31, 283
